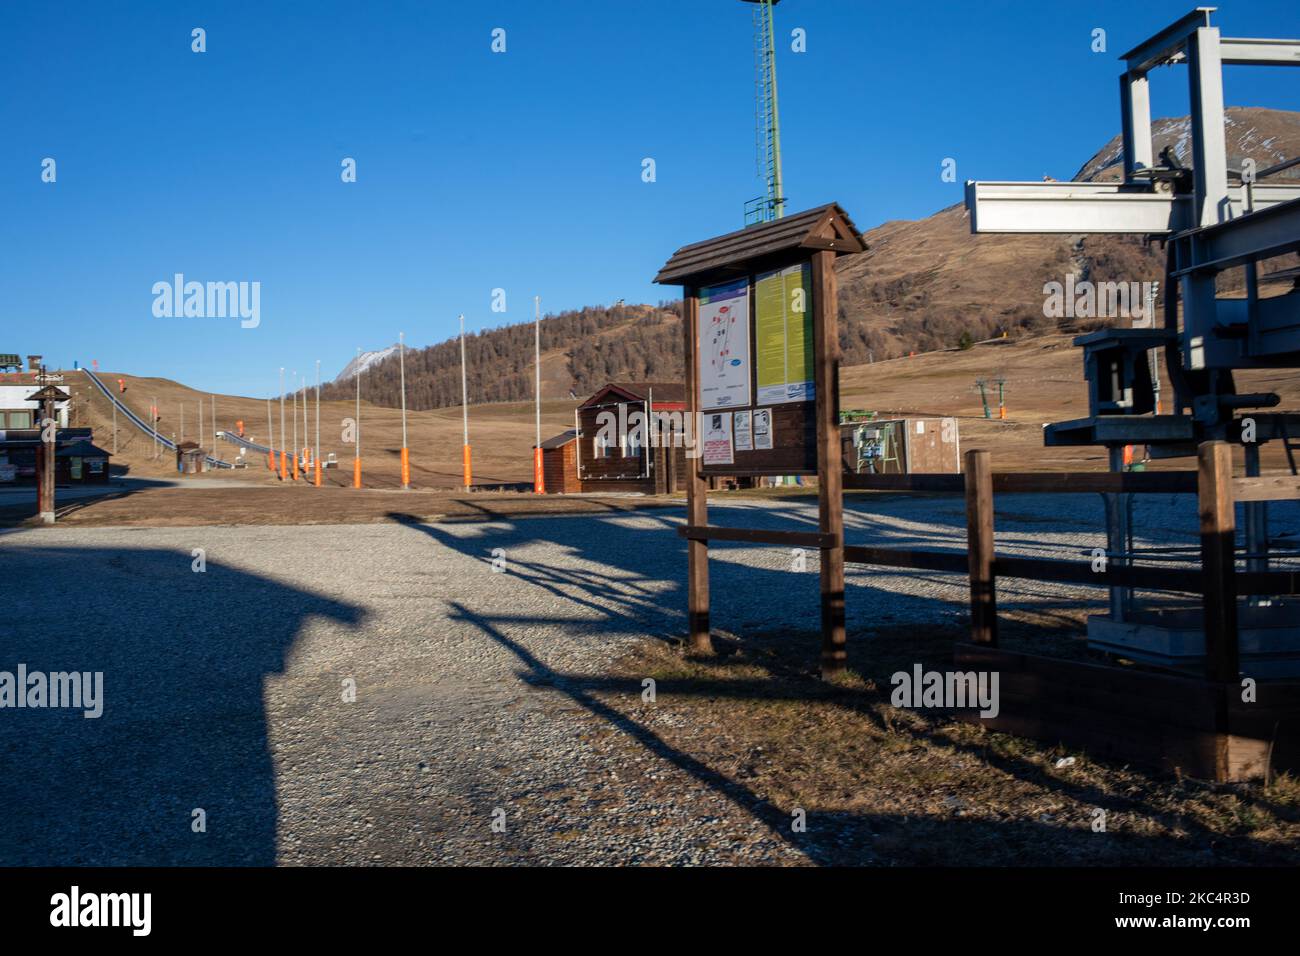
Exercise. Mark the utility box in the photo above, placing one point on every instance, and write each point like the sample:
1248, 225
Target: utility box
900, 446
190, 458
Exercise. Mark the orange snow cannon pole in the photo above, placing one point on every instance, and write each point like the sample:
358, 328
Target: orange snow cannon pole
295, 465
284, 464
465, 466
406, 468
356, 472
270, 459
317, 476
539, 479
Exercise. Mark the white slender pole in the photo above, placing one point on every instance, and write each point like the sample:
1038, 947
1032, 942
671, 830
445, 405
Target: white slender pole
315, 455
295, 421
537, 361
356, 448
467, 470
538, 477
283, 460
401, 361
464, 391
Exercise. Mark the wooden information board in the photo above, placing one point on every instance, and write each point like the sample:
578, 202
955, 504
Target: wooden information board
762, 382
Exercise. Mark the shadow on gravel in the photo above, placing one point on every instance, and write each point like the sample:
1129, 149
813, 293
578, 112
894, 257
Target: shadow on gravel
183, 657
628, 579
16, 508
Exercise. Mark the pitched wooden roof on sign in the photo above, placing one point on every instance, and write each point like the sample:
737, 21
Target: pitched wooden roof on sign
824, 228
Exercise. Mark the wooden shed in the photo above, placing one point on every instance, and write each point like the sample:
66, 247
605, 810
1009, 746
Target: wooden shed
622, 458
190, 458
560, 463
900, 446
81, 461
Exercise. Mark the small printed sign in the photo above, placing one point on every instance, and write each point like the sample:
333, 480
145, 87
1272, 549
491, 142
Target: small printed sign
762, 428
718, 448
744, 433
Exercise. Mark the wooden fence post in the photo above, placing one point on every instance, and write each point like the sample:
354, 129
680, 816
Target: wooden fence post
830, 467
1218, 529
979, 543
697, 502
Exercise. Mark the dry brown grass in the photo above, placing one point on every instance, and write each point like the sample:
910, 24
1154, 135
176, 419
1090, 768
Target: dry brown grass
889, 786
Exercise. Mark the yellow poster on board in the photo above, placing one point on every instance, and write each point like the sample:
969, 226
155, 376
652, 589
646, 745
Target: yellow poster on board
783, 336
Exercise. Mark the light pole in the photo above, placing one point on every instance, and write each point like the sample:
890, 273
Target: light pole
284, 461
468, 476
539, 484
270, 439
356, 448
315, 455
294, 410
406, 455
306, 449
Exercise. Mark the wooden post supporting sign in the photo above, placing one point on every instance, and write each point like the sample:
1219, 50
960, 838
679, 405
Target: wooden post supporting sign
830, 479
762, 390
697, 505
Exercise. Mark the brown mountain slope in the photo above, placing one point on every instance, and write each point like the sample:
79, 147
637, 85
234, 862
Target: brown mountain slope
920, 287
922, 283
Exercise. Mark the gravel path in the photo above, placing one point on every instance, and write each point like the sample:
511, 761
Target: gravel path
227, 691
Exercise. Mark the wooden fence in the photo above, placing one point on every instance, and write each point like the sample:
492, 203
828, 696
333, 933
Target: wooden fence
1202, 726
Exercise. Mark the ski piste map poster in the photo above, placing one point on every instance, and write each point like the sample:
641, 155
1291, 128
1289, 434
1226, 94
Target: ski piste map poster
724, 345
784, 339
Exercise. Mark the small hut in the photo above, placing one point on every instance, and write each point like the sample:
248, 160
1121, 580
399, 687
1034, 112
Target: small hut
190, 458
560, 463
81, 461
623, 458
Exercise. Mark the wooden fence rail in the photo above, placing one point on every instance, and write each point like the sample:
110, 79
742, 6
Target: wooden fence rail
1198, 724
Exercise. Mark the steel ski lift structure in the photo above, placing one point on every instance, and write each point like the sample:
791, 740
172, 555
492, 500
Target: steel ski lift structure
1211, 219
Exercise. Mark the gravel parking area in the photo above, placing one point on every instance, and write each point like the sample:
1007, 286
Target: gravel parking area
384, 694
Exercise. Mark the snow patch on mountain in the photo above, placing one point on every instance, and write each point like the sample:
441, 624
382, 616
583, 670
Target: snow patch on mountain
363, 362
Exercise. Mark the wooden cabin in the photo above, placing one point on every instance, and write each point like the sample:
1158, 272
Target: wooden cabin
623, 458
560, 464
190, 458
80, 461
899, 446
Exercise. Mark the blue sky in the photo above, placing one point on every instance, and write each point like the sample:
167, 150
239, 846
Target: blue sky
476, 170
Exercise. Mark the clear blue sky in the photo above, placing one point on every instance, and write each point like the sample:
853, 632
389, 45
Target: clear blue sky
478, 170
